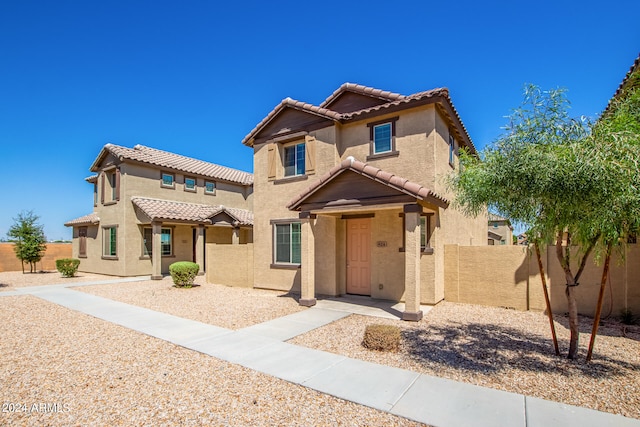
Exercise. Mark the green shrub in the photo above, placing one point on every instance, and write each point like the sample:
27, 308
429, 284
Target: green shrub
627, 317
184, 273
382, 337
67, 266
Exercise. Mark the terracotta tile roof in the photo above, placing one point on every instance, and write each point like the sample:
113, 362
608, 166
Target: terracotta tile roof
158, 209
90, 219
364, 90
389, 179
634, 67
292, 103
394, 101
92, 179
165, 159
496, 217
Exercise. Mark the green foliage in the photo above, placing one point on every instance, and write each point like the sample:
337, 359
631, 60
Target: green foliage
382, 337
184, 273
29, 239
67, 266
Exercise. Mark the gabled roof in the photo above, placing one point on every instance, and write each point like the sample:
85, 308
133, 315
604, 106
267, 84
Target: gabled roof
170, 210
165, 159
92, 179
90, 219
391, 102
378, 175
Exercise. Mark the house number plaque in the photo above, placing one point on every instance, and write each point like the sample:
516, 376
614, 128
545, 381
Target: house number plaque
381, 243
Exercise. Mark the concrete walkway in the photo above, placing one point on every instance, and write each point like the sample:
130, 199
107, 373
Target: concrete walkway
430, 400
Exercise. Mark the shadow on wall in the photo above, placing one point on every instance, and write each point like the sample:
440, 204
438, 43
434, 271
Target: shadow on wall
473, 347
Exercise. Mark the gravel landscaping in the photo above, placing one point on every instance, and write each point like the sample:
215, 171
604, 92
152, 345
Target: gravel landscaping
504, 349
61, 367
11, 280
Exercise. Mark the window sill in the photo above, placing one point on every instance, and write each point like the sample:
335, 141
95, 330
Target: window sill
290, 179
210, 193
109, 203
188, 190
110, 258
285, 266
425, 251
168, 187
383, 155
82, 256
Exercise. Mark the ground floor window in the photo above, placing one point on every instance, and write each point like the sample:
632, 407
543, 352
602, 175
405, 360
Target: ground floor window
166, 242
110, 240
287, 243
425, 233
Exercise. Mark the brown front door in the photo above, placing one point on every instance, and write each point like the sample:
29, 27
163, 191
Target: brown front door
359, 256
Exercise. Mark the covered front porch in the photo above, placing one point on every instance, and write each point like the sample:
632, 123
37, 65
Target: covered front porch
368, 232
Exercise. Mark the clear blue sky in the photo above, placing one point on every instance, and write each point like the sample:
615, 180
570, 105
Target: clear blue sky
194, 77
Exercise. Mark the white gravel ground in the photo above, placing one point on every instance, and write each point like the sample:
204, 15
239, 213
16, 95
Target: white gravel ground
11, 280
61, 367
504, 349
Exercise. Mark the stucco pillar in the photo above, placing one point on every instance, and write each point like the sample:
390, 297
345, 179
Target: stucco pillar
307, 260
156, 251
412, 262
200, 248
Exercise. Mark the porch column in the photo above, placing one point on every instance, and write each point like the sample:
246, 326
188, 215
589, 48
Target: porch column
307, 260
412, 262
200, 248
235, 238
156, 250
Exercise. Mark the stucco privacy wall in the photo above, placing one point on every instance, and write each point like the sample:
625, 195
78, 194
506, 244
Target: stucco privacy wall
9, 262
230, 265
508, 276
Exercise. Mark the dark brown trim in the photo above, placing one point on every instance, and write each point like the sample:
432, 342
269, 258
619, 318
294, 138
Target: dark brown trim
412, 208
402, 198
289, 137
358, 216
391, 120
306, 215
102, 185
117, 184
283, 221
310, 127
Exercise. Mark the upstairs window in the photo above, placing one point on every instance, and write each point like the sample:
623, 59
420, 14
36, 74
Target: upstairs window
112, 184
168, 180
189, 184
382, 138
452, 150
210, 187
294, 156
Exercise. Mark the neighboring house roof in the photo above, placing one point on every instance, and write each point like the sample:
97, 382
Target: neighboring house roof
494, 236
170, 210
625, 82
92, 179
165, 159
496, 217
386, 178
90, 219
393, 102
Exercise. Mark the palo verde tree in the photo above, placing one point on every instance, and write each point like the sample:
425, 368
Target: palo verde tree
539, 174
29, 239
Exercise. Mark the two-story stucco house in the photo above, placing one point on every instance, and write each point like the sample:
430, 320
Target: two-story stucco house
153, 208
350, 196
500, 230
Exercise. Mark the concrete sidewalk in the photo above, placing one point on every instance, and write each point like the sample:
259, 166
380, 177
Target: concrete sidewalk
430, 400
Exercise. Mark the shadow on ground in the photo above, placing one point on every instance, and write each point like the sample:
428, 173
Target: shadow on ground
610, 327
491, 349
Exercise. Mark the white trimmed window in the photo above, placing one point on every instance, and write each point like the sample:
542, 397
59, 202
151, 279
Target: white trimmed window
287, 243
189, 184
294, 156
210, 187
110, 241
168, 179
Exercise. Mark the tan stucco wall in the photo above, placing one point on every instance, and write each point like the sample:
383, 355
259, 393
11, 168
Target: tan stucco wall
230, 265
9, 262
508, 276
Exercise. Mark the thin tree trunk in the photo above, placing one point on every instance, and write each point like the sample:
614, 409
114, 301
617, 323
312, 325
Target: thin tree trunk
573, 320
603, 284
546, 300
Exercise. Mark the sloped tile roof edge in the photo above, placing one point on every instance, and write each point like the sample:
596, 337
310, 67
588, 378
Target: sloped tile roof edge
156, 157
161, 209
291, 103
90, 219
389, 179
364, 90
634, 67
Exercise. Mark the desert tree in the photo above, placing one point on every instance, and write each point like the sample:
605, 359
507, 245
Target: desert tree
29, 239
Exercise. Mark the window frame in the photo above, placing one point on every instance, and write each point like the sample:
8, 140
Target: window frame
147, 252
452, 150
294, 260
113, 246
376, 142
195, 184
373, 154
206, 191
294, 146
173, 180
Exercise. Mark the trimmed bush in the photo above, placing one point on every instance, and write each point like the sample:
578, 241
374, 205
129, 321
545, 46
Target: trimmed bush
382, 337
184, 273
68, 267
